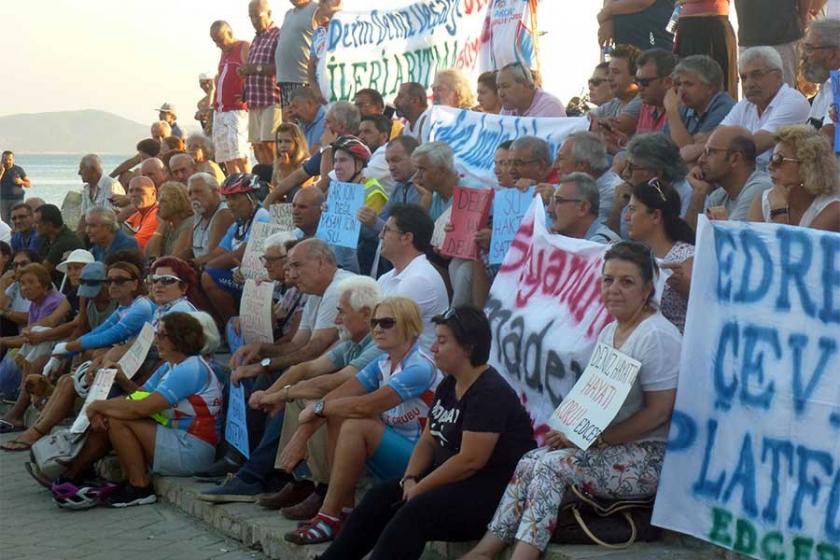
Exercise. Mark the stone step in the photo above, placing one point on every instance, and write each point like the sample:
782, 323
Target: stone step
259, 528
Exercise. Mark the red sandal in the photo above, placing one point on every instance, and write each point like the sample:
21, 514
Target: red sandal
320, 529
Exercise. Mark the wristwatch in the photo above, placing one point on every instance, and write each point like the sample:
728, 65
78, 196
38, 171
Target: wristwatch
265, 364
259, 69
408, 477
779, 211
319, 408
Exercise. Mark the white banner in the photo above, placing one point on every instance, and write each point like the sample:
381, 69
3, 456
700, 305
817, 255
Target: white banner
545, 313
255, 312
475, 136
753, 460
597, 396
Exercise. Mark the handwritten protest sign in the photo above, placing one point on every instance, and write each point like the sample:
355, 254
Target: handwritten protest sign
509, 207
251, 266
835, 94
474, 136
439, 233
597, 396
136, 353
255, 312
545, 312
339, 225
98, 391
752, 462
236, 426
281, 214
470, 210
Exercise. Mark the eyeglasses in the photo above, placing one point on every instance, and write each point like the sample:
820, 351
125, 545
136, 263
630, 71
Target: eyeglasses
708, 151
756, 75
595, 82
271, 260
645, 82
86, 282
165, 279
561, 200
808, 49
384, 323
778, 159
657, 186
386, 228
118, 280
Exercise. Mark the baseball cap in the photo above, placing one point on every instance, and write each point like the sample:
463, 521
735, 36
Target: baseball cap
77, 256
91, 280
205, 76
167, 108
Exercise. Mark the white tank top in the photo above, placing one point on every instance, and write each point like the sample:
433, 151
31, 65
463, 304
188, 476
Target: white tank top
812, 212
201, 235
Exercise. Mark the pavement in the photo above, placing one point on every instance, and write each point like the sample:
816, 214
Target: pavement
33, 527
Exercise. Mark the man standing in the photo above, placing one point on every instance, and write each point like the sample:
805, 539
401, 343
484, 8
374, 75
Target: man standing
166, 113
24, 235
98, 188
293, 44
696, 105
230, 116
412, 104
56, 238
13, 180
725, 181
104, 234
144, 222
769, 103
261, 92
521, 97
574, 210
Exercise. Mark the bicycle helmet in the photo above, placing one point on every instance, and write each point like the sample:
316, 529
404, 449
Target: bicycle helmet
67, 495
79, 382
352, 146
240, 183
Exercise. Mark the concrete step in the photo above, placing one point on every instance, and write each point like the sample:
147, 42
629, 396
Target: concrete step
259, 528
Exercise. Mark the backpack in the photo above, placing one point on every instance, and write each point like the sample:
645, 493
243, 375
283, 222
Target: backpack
52, 452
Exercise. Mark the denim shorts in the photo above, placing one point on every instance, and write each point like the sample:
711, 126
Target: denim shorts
177, 453
391, 456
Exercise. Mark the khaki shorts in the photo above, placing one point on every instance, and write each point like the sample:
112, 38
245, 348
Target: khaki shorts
263, 122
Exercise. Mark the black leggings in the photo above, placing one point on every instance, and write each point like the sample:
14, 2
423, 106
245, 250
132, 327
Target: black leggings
399, 531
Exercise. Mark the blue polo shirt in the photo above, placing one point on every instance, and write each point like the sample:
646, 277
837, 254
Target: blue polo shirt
315, 129
718, 107
26, 240
121, 241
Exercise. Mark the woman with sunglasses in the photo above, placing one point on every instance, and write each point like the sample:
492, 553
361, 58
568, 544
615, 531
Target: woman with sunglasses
381, 411
476, 434
170, 282
806, 182
626, 459
653, 217
169, 426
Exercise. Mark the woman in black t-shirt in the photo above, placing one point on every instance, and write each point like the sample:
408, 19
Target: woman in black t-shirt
476, 433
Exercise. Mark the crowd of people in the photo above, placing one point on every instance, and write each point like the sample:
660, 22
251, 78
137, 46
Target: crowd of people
379, 363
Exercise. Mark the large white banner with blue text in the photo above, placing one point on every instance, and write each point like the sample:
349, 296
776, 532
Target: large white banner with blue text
545, 314
753, 460
475, 136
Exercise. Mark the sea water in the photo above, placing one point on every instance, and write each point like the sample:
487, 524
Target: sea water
54, 175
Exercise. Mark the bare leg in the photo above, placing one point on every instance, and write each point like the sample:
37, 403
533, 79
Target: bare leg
265, 152
359, 440
525, 551
95, 447
239, 165
134, 442
57, 408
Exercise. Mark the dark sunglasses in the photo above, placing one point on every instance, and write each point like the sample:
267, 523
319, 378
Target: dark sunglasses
595, 82
778, 159
86, 282
119, 281
384, 323
165, 279
645, 82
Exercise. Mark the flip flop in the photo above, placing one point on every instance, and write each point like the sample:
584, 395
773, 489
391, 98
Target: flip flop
20, 446
7, 427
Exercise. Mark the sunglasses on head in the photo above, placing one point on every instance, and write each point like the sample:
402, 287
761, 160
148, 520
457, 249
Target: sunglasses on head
165, 279
657, 186
384, 323
119, 280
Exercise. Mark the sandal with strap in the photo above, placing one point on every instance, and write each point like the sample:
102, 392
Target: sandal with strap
319, 529
17, 444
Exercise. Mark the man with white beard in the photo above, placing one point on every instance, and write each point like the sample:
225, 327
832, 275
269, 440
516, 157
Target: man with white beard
212, 217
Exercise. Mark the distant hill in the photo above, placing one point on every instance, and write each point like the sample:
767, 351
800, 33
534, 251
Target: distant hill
71, 132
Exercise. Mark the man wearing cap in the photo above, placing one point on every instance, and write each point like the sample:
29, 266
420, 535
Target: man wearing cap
103, 231
166, 113
261, 91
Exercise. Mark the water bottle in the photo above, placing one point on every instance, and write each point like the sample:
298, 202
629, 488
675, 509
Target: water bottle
675, 16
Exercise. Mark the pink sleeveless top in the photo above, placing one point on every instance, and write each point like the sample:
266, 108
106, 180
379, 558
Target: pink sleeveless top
230, 86
705, 7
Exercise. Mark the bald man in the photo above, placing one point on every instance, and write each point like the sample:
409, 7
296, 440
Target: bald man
725, 180
154, 169
97, 190
182, 167
144, 222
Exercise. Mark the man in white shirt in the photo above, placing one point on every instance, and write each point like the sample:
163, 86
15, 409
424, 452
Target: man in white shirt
820, 55
97, 190
406, 238
769, 103
412, 104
